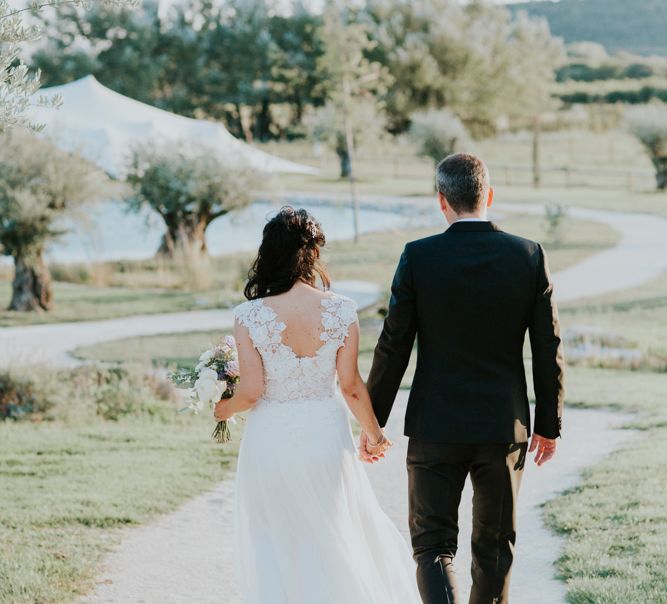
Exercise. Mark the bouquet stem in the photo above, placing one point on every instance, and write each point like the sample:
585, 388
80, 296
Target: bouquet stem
221, 433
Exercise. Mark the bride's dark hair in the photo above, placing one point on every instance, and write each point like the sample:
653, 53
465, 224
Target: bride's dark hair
289, 252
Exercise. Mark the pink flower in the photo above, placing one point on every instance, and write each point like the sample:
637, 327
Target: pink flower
230, 341
232, 369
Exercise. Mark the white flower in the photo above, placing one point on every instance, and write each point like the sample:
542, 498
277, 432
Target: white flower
209, 388
204, 359
208, 374
206, 356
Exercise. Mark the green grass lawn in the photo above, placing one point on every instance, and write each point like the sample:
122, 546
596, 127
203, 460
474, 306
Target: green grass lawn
599, 165
91, 303
179, 349
638, 315
615, 522
66, 493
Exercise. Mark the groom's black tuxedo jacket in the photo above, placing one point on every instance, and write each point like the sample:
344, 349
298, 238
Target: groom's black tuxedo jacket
469, 295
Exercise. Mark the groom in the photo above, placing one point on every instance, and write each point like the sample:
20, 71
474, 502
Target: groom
469, 295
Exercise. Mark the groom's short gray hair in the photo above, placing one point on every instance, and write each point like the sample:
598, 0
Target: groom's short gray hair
464, 181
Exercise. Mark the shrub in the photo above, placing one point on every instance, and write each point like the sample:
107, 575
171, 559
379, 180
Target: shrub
439, 133
18, 398
555, 214
84, 393
649, 125
71, 273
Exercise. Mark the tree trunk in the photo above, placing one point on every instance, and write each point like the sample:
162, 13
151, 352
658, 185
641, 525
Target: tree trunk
263, 121
31, 288
244, 121
185, 236
660, 164
343, 156
298, 111
537, 176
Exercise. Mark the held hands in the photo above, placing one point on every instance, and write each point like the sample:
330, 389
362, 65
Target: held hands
372, 451
546, 448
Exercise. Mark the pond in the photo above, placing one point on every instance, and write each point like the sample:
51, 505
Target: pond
109, 232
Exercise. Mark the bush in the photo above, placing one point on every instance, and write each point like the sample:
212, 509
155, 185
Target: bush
555, 214
84, 393
18, 398
439, 133
71, 273
649, 125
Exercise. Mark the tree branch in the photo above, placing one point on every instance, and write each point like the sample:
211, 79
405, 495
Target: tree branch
38, 7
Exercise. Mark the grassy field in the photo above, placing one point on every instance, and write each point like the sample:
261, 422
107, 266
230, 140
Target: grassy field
66, 493
593, 166
614, 523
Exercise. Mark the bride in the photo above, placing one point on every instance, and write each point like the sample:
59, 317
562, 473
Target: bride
309, 529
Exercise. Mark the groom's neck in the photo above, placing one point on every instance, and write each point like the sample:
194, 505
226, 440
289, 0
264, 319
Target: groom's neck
473, 216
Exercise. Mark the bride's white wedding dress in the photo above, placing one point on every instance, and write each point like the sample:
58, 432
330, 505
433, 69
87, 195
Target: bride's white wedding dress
309, 529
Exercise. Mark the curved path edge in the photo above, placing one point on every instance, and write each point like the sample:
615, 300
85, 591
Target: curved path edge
53, 342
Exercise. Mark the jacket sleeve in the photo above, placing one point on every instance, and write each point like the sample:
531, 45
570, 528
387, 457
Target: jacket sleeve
547, 351
394, 347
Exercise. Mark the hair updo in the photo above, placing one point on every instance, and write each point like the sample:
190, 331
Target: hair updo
289, 252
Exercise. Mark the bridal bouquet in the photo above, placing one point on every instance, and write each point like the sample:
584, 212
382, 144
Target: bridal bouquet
214, 377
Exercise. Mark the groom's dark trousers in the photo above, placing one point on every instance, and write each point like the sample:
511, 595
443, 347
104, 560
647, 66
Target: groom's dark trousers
469, 296
436, 474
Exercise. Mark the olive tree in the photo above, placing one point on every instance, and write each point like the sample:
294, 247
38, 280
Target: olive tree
350, 81
40, 185
17, 85
189, 187
438, 133
535, 57
649, 125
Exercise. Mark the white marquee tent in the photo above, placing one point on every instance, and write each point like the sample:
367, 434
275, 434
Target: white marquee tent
104, 126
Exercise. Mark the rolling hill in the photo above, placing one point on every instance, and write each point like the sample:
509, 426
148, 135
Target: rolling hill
638, 26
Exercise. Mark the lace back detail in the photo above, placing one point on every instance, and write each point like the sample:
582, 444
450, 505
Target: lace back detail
288, 377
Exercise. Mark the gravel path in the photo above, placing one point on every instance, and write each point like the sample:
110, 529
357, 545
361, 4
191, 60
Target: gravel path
639, 256
52, 343
185, 557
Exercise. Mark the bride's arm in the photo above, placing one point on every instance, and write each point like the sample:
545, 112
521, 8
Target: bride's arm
353, 388
251, 386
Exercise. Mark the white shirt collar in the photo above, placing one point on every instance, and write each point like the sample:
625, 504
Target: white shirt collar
473, 219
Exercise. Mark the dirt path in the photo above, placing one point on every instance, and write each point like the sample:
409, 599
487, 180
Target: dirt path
187, 558
52, 343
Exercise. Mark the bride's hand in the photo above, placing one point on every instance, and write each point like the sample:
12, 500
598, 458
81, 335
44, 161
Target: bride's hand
222, 411
378, 448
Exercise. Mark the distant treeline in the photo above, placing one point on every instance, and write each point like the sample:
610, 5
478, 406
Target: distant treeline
583, 72
638, 26
634, 97
265, 73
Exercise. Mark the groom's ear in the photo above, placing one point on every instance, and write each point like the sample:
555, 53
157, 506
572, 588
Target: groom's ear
489, 201
443, 201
